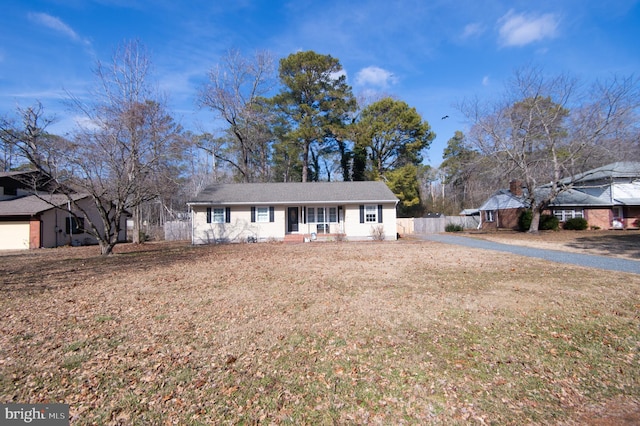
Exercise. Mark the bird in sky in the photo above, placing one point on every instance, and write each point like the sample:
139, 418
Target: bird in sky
445, 117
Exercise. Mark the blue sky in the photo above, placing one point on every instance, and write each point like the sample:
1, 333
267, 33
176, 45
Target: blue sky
430, 53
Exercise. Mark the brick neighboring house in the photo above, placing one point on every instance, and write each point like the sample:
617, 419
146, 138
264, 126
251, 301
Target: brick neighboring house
608, 197
502, 209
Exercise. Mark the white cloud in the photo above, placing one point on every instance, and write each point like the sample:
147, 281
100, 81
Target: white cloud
472, 30
485, 80
57, 25
375, 76
521, 29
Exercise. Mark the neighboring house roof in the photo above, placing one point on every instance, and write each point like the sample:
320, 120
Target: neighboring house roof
621, 169
295, 192
578, 195
469, 212
573, 197
504, 199
31, 205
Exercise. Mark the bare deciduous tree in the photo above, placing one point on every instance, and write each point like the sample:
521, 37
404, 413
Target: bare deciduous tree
128, 150
546, 129
234, 93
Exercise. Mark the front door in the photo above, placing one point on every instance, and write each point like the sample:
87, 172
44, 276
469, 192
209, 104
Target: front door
292, 222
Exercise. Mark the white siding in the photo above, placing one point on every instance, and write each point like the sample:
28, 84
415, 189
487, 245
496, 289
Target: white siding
241, 228
626, 190
365, 231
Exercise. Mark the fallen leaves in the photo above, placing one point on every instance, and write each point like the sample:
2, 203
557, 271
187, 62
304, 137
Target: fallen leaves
347, 333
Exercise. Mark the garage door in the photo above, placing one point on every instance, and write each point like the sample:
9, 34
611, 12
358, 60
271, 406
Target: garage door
14, 236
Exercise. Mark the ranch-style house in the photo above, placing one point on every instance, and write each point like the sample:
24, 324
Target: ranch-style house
253, 212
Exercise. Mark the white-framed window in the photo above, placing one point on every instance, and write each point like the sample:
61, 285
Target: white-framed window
218, 216
215, 215
565, 214
489, 215
370, 214
262, 214
333, 214
322, 217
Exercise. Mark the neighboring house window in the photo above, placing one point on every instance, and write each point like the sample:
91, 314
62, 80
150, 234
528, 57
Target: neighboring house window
75, 225
489, 215
566, 214
262, 214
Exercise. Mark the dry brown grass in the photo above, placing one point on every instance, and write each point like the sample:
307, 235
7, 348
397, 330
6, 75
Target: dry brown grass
321, 333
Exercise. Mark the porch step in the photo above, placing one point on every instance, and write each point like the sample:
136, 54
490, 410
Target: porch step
294, 238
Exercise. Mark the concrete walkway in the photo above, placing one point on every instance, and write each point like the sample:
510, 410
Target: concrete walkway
586, 260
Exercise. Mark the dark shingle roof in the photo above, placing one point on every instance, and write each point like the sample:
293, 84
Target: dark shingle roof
32, 204
295, 192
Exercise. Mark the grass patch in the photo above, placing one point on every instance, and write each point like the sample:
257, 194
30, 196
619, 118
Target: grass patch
383, 333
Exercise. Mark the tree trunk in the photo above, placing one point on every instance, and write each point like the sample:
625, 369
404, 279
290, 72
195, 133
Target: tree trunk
305, 161
135, 238
106, 248
535, 221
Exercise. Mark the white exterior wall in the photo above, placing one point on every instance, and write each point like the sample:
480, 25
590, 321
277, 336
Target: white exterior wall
625, 190
239, 229
365, 231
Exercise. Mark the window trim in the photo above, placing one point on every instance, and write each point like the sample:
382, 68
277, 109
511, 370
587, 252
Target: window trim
565, 214
490, 216
255, 212
321, 217
370, 213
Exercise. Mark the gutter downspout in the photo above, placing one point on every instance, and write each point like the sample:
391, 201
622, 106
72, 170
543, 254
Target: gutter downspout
192, 225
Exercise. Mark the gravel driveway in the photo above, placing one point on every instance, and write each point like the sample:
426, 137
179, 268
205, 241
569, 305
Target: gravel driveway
586, 260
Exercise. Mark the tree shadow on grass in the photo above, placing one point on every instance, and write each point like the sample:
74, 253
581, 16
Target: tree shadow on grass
37, 272
622, 244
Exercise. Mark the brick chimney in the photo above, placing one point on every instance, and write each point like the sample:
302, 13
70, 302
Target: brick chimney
515, 187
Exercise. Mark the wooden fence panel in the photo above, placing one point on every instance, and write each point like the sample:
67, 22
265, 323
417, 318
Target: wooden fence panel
434, 225
177, 230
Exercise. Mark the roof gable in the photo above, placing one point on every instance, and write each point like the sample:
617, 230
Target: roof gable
295, 192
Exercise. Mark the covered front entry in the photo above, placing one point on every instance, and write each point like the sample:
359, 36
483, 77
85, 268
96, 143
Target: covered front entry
292, 219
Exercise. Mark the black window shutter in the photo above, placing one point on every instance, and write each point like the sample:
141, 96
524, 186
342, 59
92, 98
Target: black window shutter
253, 214
379, 213
227, 215
361, 214
208, 214
304, 215
271, 214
